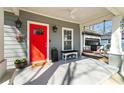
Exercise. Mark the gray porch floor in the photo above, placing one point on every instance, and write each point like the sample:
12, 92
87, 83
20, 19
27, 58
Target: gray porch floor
80, 71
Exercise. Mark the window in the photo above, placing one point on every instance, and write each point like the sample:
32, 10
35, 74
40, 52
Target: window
104, 41
99, 28
122, 44
122, 33
108, 26
38, 31
91, 27
122, 25
67, 39
102, 27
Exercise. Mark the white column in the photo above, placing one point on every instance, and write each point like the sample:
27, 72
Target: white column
116, 49
81, 39
1, 34
2, 63
84, 40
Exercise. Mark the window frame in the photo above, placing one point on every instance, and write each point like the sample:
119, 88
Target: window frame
70, 29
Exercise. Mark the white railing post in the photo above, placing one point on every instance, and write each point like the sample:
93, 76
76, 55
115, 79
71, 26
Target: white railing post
2, 61
115, 57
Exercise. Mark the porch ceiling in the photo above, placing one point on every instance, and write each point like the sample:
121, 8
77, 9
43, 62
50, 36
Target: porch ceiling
80, 15
72, 14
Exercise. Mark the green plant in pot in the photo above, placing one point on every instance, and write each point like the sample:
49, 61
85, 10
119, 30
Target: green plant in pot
17, 63
24, 61
20, 63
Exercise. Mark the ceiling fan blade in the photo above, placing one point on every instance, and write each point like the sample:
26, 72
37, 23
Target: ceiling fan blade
72, 13
73, 10
72, 16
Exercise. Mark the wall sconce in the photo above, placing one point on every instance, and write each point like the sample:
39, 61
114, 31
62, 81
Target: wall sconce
18, 23
55, 28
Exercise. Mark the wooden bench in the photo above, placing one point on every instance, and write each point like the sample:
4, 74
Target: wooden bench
70, 53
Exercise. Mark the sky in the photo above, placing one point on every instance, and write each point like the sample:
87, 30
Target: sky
100, 27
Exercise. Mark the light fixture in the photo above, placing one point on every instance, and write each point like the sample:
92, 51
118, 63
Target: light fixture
18, 23
55, 28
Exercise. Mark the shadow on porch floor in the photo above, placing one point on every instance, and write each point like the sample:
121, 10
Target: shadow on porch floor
78, 71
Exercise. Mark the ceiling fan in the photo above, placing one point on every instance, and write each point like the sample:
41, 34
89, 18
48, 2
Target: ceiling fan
71, 12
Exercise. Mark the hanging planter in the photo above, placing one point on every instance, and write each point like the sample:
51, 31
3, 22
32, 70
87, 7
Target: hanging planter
18, 25
20, 37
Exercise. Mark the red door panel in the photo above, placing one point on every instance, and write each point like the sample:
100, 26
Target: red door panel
38, 42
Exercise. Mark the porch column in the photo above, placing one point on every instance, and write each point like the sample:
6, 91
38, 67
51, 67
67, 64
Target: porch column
115, 58
81, 39
2, 62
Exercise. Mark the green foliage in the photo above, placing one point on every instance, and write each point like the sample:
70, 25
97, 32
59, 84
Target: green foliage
54, 49
23, 60
19, 61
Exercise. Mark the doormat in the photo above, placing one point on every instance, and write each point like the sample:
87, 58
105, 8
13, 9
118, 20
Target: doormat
39, 63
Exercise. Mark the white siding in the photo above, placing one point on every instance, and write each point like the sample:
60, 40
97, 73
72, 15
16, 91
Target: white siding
12, 48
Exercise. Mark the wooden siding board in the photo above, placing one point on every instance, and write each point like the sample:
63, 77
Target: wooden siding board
12, 48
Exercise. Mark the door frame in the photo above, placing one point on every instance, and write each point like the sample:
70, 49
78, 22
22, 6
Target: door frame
28, 40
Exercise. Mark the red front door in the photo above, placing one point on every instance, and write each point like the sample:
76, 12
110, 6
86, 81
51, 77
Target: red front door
38, 43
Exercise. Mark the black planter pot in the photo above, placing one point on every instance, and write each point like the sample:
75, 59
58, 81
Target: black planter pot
54, 55
20, 65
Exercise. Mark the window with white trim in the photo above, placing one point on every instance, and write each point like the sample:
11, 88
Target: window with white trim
67, 39
102, 27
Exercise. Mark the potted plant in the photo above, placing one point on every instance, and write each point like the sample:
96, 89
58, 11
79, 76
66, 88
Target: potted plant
19, 38
20, 63
24, 61
54, 54
17, 63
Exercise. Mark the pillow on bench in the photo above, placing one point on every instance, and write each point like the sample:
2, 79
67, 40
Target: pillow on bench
87, 49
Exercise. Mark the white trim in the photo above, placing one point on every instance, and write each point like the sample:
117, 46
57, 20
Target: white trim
28, 33
15, 11
91, 36
113, 10
81, 42
72, 44
8, 10
84, 41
